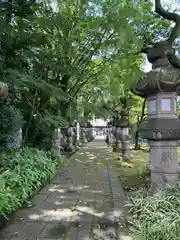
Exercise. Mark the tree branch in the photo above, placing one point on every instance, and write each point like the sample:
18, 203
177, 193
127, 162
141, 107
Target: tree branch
171, 17
133, 90
77, 87
90, 58
173, 59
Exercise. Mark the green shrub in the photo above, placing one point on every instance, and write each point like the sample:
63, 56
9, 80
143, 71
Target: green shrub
156, 217
22, 172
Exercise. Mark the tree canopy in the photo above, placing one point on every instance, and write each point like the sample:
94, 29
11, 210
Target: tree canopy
65, 60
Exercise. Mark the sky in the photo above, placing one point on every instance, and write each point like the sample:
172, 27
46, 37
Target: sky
98, 122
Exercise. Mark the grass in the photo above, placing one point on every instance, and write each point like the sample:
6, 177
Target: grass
133, 175
156, 217
22, 173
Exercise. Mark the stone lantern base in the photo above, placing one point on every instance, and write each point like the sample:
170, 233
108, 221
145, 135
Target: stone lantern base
118, 146
163, 163
126, 156
83, 136
57, 148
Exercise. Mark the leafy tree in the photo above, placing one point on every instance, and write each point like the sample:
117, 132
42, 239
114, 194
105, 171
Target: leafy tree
60, 58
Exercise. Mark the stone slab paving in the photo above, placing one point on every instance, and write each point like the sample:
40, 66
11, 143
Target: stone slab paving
83, 201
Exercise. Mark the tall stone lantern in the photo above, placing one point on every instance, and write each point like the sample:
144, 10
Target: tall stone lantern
161, 86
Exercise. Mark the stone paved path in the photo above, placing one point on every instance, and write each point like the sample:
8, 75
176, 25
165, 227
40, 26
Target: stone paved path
83, 201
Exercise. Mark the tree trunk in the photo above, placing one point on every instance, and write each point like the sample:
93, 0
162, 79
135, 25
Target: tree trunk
137, 145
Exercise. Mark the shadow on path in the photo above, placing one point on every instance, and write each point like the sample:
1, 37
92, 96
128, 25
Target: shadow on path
83, 201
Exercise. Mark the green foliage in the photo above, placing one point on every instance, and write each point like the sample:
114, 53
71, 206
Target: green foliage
157, 216
54, 54
22, 172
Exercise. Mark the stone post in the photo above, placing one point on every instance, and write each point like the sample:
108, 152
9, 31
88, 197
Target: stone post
89, 132
57, 142
74, 137
162, 127
77, 134
63, 139
19, 138
122, 139
113, 133
3, 91
15, 139
83, 135
70, 146
110, 133
125, 141
86, 129
108, 137
118, 138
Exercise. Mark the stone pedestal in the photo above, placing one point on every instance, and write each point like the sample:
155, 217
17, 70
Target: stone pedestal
109, 136
118, 139
113, 132
57, 142
126, 143
77, 134
163, 153
126, 156
70, 146
19, 138
74, 137
15, 140
83, 135
90, 134
123, 139
63, 139
86, 134
163, 163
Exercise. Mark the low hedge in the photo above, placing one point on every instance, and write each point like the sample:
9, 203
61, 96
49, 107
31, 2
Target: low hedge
22, 172
156, 217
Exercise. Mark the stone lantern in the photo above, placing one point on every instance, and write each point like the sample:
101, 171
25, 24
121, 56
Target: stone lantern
162, 127
161, 87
